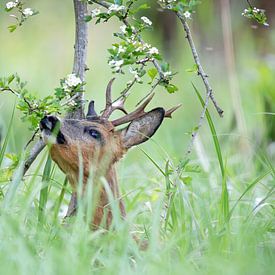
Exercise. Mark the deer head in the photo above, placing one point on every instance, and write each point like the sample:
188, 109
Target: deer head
99, 144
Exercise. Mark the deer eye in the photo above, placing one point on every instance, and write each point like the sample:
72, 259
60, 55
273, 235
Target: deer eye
94, 133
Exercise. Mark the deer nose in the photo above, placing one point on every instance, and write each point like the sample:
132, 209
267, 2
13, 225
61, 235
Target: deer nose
48, 123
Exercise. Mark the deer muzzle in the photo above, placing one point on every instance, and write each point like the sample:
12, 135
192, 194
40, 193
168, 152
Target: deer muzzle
50, 128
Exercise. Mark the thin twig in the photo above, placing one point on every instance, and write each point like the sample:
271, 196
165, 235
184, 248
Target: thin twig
35, 151
19, 96
195, 132
31, 139
69, 100
126, 92
153, 87
10, 90
249, 4
201, 72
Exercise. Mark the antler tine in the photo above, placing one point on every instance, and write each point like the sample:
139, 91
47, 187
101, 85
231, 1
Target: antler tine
133, 115
107, 111
91, 111
169, 112
110, 106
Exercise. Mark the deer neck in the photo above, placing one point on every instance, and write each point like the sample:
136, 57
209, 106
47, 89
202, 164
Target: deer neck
103, 209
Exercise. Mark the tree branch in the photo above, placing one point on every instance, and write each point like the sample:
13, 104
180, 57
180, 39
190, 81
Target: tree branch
195, 132
79, 67
35, 151
80, 52
201, 72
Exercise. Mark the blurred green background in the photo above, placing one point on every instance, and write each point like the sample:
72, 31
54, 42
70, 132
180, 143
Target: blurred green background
239, 57
41, 52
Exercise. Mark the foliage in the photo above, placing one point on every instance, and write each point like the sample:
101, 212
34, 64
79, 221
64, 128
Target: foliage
132, 51
255, 14
20, 13
35, 109
179, 216
183, 6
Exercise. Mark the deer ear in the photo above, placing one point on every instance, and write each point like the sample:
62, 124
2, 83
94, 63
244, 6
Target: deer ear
142, 128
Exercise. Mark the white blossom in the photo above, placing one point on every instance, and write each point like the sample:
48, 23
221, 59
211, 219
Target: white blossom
153, 50
166, 74
135, 73
71, 81
116, 64
187, 15
146, 20
115, 8
28, 12
146, 46
72, 103
123, 28
11, 5
95, 12
143, 47
121, 49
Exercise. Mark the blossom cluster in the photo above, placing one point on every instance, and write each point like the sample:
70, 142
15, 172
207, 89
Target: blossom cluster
70, 85
131, 50
71, 81
256, 14
22, 13
13, 4
185, 7
115, 8
10, 5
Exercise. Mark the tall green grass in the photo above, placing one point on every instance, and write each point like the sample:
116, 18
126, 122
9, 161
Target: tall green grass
195, 222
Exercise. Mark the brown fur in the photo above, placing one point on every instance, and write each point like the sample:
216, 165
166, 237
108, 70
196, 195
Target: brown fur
98, 154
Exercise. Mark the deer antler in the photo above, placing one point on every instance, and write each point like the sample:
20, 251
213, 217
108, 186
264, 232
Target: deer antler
169, 112
110, 106
133, 115
140, 112
91, 111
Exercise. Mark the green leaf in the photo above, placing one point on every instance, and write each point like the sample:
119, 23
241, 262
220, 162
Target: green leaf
118, 2
194, 69
88, 18
165, 67
12, 28
171, 88
152, 73
11, 78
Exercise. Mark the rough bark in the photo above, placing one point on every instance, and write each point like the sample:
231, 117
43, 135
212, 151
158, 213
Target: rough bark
80, 51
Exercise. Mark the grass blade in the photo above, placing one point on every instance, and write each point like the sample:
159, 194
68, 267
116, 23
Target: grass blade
44, 191
213, 132
60, 199
249, 187
224, 194
5, 144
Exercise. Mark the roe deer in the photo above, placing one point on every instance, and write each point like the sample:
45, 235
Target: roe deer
100, 146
